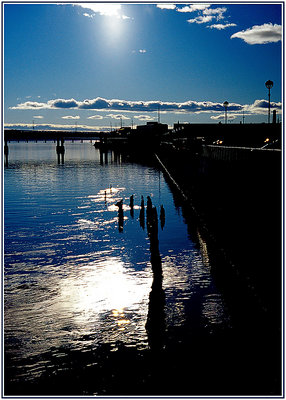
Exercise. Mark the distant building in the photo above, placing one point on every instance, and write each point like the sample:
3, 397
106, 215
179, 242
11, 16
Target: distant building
152, 129
148, 136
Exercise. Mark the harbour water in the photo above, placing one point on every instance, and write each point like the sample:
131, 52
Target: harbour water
79, 290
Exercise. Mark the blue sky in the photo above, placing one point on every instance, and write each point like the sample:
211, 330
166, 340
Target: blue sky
95, 65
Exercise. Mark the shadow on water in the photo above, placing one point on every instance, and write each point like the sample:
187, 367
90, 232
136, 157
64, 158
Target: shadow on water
155, 325
142, 214
245, 359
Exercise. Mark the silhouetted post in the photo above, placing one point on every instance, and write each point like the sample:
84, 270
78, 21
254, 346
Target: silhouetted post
142, 214
162, 217
60, 149
225, 104
100, 156
120, 215
269, 85
131, 204
274, 117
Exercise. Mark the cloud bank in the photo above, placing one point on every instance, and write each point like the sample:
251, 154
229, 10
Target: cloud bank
260, 34
101, 104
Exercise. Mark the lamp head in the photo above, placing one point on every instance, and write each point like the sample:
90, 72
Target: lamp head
269, 84
225, 104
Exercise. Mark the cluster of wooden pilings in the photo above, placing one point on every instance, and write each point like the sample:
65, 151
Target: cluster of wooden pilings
151, 216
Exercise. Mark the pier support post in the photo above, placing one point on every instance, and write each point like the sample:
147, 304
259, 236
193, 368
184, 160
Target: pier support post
60, 150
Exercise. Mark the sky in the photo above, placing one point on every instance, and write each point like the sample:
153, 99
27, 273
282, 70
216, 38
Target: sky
99, 66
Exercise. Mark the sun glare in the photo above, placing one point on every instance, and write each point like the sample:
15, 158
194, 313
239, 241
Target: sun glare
105, 287
108, 9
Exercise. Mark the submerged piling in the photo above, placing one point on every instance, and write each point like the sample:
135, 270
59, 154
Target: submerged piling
119, 204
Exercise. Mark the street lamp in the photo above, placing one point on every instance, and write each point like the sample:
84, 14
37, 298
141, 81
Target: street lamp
225, 104
269, 85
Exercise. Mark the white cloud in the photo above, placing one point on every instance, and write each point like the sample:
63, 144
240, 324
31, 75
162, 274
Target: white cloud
222, 117
201, 19
166, 6
205, 14
261, 107
215, 11
141, 51
144, 117
221, 26
95, 117
117, 116
71, 117
30, 105
38, 117
193, 8
260, 34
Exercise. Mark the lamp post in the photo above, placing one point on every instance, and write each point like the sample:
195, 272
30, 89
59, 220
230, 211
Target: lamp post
225, 104
269, 85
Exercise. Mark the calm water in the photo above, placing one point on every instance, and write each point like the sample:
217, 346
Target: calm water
74, 281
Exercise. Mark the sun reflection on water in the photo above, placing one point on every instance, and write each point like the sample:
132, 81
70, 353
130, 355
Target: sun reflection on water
108, 285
